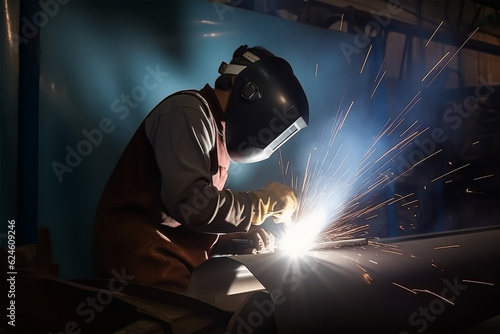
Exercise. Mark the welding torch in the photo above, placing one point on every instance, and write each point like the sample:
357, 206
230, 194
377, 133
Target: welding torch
242, 245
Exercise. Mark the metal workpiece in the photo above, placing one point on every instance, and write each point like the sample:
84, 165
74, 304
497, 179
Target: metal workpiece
440, 283
340, 243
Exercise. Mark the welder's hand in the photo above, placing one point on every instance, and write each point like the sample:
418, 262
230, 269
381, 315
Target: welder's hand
275, 200
263, 241
256, 240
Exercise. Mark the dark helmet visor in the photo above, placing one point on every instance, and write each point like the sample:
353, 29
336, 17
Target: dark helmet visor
267, 106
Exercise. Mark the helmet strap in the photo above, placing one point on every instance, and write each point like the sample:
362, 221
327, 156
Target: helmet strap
235, 69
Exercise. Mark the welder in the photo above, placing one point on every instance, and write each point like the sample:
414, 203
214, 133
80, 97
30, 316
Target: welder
165, 210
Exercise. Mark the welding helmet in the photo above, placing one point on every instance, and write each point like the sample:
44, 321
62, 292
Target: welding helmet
266, 107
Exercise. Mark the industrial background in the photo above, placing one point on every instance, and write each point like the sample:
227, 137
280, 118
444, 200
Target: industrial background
411, 89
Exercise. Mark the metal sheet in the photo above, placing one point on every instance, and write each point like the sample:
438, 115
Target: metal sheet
440, 283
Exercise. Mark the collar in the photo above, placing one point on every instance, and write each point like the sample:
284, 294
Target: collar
215, 108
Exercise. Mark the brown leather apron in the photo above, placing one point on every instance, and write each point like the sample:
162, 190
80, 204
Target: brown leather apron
133, 234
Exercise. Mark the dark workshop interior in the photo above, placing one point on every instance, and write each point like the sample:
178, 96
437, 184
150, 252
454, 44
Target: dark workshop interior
397, 172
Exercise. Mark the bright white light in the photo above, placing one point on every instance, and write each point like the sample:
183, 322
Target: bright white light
300, 236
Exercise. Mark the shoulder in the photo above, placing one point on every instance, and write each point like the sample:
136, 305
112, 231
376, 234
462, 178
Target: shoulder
185, 108
187, 101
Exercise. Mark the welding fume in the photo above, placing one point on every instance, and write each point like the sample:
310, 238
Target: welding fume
165, 209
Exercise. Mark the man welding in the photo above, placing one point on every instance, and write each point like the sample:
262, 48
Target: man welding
164, 210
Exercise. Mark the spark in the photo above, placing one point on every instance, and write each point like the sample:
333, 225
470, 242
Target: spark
335, 129
415, 201
341, 22
406, 109
361, 268
376, 185
372, 261
474, 192
369, 153
316, 71
392, 252
399, 199
401, 121
403, 142
375, 207
413, 102
340, 231
429, 156
408, 128
383, 62
477, 282
416, 164
483, 177
453, 56
346, 114
453, 171
435, 31
366, 58
449, 246
331, 180
434, 294
409, 140
379, 244
306, 173
432, 69
376, 87
341, 164
403, 287
350, 258
280, 164
367, 278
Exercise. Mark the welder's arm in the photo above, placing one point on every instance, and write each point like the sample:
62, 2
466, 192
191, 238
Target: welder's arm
182, 137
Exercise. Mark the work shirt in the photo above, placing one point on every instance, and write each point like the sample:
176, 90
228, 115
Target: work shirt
165, 204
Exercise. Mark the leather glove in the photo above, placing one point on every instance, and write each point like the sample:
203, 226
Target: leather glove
256, 240
262, 240
275, 200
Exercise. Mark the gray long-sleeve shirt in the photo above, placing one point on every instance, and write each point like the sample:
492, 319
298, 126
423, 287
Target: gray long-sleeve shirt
184, 132
165, 199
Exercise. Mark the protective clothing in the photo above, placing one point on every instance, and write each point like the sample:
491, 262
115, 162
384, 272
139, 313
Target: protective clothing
276, 200
165, 205
166, 189
266, 107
